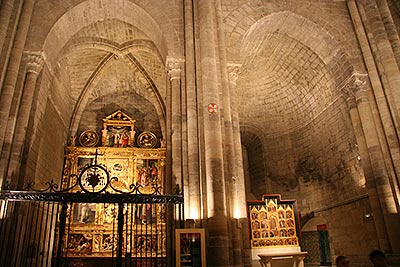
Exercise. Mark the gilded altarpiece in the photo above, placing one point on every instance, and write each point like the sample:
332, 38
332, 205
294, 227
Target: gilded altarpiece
273, 222
92, 226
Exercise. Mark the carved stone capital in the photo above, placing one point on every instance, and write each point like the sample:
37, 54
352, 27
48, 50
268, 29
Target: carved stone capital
174, 67
174, 74
360, 87
355, 89
34, 62
360, 82
351, 101
234, 72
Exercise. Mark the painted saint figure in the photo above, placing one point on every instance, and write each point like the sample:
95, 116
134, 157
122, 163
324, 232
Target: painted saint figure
124, 140
111, 139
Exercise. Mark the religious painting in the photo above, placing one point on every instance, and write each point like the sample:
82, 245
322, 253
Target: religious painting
120, 168
272, 222
109, 243
110, 212
89, 138
84, 212
118, 130
145, 244
118, 137
190, 247
146, 172
80, 243
147, 140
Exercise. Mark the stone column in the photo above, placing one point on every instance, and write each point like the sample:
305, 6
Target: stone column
193, 201
390, 26
218, 253
7, 92
383, 184
233, 182
33, 68
239, 187
384, 55
174, 73
386, 125
5, 14
379, 223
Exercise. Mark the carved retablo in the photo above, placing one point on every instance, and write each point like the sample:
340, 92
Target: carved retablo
273, 222
134, 169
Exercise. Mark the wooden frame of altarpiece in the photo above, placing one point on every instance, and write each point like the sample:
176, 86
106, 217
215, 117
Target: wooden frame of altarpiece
273, 222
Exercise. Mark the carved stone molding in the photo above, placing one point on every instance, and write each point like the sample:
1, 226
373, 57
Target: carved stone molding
34, 62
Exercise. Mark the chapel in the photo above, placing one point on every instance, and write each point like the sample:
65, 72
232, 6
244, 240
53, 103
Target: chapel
199, 132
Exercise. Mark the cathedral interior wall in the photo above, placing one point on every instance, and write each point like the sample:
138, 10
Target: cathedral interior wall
299, 142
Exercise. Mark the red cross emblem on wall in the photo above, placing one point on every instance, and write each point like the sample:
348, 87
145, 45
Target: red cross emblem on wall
212, 108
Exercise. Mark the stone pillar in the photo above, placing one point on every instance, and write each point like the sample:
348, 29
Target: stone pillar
239, 188
33, 68
5, 14
174, 73
384, 55
218, 253
193, 201
382, 112
7, 92
232, 180
383, 184
390, 26
379, 223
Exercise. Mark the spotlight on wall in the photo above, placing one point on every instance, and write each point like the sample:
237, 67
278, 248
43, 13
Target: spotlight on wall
368, 215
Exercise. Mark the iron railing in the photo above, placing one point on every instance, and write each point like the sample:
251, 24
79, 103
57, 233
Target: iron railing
44, 227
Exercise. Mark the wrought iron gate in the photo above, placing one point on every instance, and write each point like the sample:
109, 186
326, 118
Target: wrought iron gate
58, 228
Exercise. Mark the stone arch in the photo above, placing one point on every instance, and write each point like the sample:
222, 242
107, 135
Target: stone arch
292, 73
127, 51
147, 39
91, 11
296, 27
134, 46
144, 82
298, 88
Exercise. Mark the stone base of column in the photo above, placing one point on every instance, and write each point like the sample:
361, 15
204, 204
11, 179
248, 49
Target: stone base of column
218, 242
